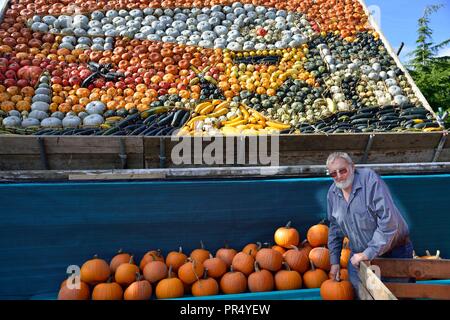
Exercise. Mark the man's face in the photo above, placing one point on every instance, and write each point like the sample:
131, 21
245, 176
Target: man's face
341, 172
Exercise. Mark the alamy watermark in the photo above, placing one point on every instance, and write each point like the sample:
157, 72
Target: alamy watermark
261, 150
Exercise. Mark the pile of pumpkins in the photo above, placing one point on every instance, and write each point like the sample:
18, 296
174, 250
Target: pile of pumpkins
332, 59
288, 265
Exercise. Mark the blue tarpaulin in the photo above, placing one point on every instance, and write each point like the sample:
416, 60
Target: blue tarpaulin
45, 227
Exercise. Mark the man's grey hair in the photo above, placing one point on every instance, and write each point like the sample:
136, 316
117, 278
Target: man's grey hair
339, 155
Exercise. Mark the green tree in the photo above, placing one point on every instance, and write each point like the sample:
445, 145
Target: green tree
431, 73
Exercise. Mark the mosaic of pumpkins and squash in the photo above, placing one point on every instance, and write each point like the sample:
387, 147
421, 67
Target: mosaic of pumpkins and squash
159, 68
290, 264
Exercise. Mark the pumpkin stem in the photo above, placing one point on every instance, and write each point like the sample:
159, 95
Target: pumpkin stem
313, 268
437, 254
138, 276
267, 244
231, 268
95, 256
131, 260
180, 250
286, 266
205, 274
294, 247
428, 253
250, 252
259, 246
257, 266
158, 252
120, 251
169, 273
288, 225
202, 245
211, 256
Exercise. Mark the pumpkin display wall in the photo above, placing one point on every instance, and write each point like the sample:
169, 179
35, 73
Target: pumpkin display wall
159, 68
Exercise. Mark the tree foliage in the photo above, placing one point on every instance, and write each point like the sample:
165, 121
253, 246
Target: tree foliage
430, 72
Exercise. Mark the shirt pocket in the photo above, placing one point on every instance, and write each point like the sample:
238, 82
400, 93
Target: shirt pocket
364, 220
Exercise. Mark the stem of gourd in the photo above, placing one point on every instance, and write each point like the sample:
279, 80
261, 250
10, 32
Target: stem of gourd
288, 225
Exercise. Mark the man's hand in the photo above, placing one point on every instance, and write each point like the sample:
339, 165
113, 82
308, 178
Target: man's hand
335, 272
357, 258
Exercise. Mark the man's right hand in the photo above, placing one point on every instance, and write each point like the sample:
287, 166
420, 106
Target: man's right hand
335, 272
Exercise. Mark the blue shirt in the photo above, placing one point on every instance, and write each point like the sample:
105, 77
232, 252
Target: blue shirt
369, 219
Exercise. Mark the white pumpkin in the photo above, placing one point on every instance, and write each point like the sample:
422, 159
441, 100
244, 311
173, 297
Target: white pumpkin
30, 122
51, 123
71, 121
11, 121
38, 114
41, 106
95, 107
93, 120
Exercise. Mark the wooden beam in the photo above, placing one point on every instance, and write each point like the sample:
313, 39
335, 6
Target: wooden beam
420, 291
414, 268
373, 284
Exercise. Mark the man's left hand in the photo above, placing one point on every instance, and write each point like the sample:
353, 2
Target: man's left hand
357, 258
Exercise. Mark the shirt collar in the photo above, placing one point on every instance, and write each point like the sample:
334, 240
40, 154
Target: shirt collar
356, 184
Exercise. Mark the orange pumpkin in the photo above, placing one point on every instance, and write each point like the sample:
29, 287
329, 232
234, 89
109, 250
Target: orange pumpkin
149, 257
345, 257
205, 287
126, 273
190, 271
288, 279
95, 271
321, 258
269, 259
169, 288
118, 259
176, 259
287, 236
252, 248
314, 277
216, 267
317, 235
141, 289
336, 290
155, 271
81, 293
260, 280
279, 249
233, 282
226, 254
244, 262
297, 259
107, 291
201, 254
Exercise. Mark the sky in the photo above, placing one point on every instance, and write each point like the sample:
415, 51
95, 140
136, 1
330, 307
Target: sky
399, 22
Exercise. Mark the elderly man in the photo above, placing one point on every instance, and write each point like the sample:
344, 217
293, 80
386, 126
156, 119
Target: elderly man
360, 207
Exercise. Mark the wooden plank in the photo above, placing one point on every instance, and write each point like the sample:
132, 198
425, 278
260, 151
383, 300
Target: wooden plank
363, 293
113, 176
16, 144
400, 156
414, 268
323, 143
401, 141
97, 144
420, 291
373, 284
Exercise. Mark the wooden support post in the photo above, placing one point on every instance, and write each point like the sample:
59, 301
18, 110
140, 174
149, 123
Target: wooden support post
368, 147
441, 144
43, 153
374, 286
420, 291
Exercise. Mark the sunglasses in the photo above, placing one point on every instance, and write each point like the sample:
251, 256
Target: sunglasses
341, 172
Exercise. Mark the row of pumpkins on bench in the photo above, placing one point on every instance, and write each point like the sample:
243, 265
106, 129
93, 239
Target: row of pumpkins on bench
288, 265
